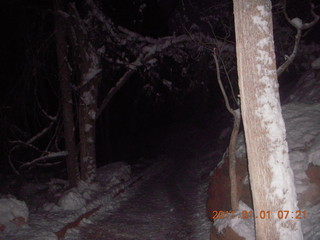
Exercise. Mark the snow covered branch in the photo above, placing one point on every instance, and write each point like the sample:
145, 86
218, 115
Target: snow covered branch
48, 156
299, 26
125, 77
29, 143
134, 51
150, 50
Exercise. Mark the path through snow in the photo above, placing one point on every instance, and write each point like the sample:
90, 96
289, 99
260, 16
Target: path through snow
170, 205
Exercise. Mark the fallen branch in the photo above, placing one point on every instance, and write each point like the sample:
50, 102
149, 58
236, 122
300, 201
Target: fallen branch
28, 143
50, 155
119, 84
116, 190
62, 232
128, 186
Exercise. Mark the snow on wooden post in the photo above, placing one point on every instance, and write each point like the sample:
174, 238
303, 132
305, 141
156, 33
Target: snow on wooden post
271, 176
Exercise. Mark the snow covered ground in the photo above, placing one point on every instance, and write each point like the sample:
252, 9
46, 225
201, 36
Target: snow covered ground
165, 201
302, 120
170, 205
44, 222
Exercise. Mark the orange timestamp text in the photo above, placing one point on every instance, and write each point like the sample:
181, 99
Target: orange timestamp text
282, 214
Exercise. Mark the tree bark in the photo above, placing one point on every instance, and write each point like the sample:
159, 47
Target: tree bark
271, 176
87, 132
66, 97
235, 196
88, 63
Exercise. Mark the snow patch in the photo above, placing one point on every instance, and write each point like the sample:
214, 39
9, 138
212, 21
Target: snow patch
297, 22
13, 212
246, 179
92, 114
87, 127
263, 42
11, 208
87, 97
316, 64
243, 227
72, 200
304, 149
142, 7
263, 11
114, 173
92, 72
167, 83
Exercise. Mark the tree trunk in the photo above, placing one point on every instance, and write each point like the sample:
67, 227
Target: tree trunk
88, 63
235, 196
66, 97
87, 133
271, 176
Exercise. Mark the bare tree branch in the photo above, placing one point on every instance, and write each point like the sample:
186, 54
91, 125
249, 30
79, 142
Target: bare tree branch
233, 140
29, 143
221, 85
125, 77
46, 157
299, 26
148, 52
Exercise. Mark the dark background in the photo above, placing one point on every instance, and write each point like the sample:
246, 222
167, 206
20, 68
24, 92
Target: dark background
135, 123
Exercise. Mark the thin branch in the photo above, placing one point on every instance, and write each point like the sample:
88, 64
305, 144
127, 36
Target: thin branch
147, 46
125, 77
47, 157
299, 26
229, 81
52, 118
54, 136
41, 133
148, 52
49, 164
290, 58
221, 85
28, 143
57, 133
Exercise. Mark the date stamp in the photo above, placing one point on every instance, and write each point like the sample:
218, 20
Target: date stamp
281, 214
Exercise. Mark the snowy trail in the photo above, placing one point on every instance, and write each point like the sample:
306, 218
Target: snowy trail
170, 205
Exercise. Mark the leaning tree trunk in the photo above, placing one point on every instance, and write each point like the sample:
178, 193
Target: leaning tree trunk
66, 97
271, 176
235, 197
88, 63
